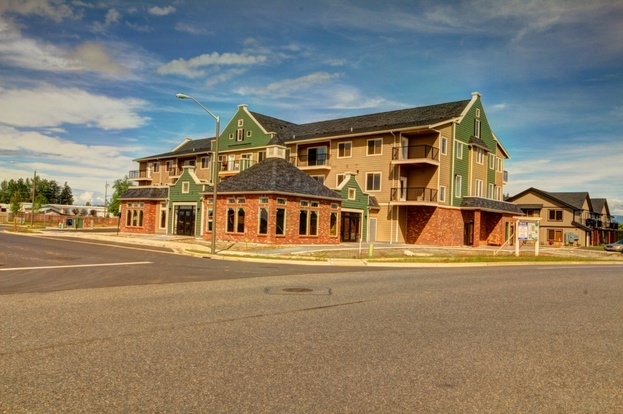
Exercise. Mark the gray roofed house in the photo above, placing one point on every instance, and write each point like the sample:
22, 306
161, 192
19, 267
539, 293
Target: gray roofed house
189, 146
275, 175
145, 193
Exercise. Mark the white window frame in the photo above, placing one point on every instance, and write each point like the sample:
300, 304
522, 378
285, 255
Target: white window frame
477, 128
350, 149
444, 146
185, 187
239, 135
240, 123
458, 186
491, 191
380, 174
337, 179
480, 156
442, 194
478, 187
492, 161
352, 193
368, 147
498, 193
458, 149
499, 165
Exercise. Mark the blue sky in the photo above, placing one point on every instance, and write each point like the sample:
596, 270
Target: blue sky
87, 86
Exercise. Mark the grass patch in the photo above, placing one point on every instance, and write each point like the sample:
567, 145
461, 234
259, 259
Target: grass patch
487, 259
268, 257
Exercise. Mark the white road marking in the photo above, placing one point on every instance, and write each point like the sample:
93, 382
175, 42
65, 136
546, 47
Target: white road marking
70, 266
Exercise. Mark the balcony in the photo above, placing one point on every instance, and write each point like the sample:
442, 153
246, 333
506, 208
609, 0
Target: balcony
139, 175
414, 195
311, 162
505, 177
415, 154
229, 168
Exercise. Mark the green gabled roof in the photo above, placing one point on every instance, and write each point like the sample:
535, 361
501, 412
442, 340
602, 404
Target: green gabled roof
275, 175
188, 147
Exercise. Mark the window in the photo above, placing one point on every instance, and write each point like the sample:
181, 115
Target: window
261, 156
241, 200
235, 220
308, 219
281, 201
169, 166
333, 224
210, 219
344, 149
185, 187
240, 221
480, 156
477, 128
334, 206
231, 200
240, 123
458, 184
444, 146
263, 221
459, 150
375, 146
156, 166
442, 194
231, 135
280, 221
317, 156
240, 134
163, 216
319, 178
491, 191
263, 200
339, 178
478, 188
249, 133
477, 112
205, 162
555, 215
231, 220
134, 218
499, 165
498, 193
491, 161
373, 181
352, 193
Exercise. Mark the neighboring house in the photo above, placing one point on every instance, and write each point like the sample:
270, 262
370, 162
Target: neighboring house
430, 175
4, 213
568, 218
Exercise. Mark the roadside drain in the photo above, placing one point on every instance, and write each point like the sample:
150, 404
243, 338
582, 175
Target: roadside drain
297, 290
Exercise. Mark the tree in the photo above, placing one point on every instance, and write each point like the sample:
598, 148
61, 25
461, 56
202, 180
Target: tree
120, 186
66, 197
15, 207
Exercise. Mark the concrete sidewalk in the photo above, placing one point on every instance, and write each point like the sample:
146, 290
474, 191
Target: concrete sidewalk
343, 254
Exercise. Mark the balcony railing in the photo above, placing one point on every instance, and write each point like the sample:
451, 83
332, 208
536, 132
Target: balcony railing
235, 165
505, 176
139, 175
421, 194
173, 171
311, 160
414, 152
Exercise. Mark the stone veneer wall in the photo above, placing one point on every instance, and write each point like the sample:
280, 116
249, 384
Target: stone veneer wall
252, 207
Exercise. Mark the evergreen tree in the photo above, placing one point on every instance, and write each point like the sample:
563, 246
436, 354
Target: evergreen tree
66, 197
120, 186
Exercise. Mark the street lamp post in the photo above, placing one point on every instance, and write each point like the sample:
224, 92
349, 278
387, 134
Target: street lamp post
215, 163
34, 189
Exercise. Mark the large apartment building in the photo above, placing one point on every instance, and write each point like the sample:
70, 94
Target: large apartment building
430, 175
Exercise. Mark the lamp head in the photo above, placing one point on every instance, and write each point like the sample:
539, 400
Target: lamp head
182, 96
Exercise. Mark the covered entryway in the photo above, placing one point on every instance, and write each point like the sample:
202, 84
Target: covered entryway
468, 233
350, 229
184, 220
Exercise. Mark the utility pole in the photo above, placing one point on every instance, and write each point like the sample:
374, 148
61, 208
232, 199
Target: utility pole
106, 200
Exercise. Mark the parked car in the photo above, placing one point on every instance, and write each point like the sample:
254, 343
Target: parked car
615, 247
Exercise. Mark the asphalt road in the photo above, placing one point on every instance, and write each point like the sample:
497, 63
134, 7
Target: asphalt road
529, 339
45, 264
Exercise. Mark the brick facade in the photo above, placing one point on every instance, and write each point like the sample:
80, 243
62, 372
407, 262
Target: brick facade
445, 227
149, 210
251, 207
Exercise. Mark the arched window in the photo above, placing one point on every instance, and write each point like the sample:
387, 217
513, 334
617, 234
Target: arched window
240, 224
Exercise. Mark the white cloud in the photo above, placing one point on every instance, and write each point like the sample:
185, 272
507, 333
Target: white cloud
49, 106
54, 10
24, 52
112, 16
288, 86
189, 28
161, 11
191, 68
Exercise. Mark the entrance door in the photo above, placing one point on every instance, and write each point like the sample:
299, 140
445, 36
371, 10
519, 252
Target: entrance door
350, 227
185, 220
468, 233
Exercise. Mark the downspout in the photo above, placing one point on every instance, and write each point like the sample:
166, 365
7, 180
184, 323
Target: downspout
452, 155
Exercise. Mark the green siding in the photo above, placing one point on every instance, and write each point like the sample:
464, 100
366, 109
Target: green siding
359, 203
257, 139
177, 196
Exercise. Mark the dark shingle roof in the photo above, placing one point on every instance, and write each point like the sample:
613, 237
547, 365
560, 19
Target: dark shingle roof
598, 204
189, 147
491, 205
575, 200
275, 175
403, 118
146, 193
